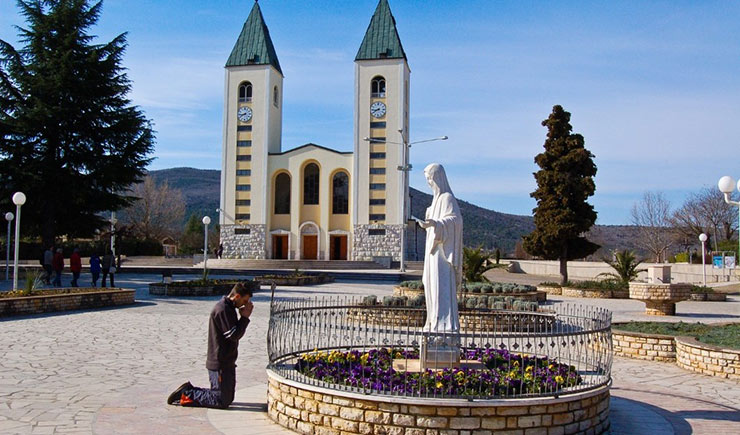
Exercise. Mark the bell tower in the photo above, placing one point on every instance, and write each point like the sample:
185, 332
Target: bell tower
253, 92
381, 124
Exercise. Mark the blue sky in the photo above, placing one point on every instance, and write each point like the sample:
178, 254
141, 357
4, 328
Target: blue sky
654, 87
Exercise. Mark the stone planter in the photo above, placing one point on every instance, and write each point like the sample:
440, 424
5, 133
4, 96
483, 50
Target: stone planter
178, 289
637, 345
65, 302
295, 280
707, 359
716, 297
621, 294
406, 291
309, 409
586, 293
698, 297
550, 290
659, 298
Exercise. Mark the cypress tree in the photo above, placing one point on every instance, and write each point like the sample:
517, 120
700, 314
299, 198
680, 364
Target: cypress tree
69, 137
564, 183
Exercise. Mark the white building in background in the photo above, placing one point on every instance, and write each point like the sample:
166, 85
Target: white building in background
312, 202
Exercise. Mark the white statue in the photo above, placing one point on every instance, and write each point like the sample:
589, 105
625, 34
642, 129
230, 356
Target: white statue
443, 254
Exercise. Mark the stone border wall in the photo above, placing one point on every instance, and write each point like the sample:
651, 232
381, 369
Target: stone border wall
365, 246
550, 290
586, 293
65, 302
707, 359
653, 347
312, 410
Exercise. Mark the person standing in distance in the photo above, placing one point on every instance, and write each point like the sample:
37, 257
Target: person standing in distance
224, 333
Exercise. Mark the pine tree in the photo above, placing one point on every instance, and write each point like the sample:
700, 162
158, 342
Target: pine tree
69, 137
564, 183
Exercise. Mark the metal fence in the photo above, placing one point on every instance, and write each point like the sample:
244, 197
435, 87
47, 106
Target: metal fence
559, 349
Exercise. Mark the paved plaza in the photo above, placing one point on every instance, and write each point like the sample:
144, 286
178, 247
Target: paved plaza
110, 370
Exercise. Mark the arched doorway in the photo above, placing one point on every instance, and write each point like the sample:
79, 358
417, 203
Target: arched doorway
309, 241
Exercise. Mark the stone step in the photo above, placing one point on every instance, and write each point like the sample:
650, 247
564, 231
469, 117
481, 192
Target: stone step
290, 264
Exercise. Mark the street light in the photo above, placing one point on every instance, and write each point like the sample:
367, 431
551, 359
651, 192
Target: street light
206, 221
8, 217
19, 198
113, 221
726, 185
703, 240
405, 168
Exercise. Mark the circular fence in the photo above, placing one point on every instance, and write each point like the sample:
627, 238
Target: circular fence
339, 344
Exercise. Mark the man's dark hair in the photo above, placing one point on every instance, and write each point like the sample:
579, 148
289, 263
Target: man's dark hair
241, 290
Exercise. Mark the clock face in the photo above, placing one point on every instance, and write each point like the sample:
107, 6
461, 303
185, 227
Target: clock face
244, 114
377, 109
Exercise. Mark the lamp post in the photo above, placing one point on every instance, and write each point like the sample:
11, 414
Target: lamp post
726, 185
206, 221
19, 198
405, 168
8, 217
113, 222
703, 240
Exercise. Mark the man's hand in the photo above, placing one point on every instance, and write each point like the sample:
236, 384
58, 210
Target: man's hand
246, 309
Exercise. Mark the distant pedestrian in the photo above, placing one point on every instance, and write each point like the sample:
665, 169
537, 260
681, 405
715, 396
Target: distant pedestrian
95, 268
57, 263
220, 251
75, 266
109, 268
48, 259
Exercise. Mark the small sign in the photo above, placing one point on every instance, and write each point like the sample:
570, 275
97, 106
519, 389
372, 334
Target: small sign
729, 262
717, 262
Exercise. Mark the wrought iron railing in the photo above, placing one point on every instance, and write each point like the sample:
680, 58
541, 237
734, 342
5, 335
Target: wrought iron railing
557, 350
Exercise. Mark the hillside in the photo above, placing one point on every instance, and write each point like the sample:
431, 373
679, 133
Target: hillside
200, 188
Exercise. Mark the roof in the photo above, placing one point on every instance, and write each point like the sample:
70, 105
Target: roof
311, 145
254, 46
381, 38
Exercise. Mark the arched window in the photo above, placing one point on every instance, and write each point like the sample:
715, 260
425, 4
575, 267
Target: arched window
311, 184
275, 96
245, 92
340, 193
282, 194
377, 87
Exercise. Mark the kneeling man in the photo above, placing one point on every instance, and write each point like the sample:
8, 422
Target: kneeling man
224, 332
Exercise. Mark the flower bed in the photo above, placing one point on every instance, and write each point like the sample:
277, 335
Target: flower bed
48, 301
295, 280
701, 293
199, 287
505, 373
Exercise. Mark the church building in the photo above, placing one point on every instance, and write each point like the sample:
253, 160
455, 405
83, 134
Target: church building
312, 202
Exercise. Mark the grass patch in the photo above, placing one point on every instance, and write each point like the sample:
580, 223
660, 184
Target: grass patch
727, 336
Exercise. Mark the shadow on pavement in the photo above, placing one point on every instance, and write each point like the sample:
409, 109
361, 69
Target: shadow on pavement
249, 407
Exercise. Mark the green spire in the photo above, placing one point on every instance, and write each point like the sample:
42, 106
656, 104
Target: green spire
254, 46
381, 39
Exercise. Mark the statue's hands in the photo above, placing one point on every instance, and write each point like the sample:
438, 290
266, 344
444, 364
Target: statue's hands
426, 223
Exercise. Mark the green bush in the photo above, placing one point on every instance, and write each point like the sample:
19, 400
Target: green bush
701, 289
550, 284
413, 285
487, 288
598, 285
369, 300
417, 301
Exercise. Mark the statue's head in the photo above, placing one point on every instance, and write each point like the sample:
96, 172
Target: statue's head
437, 179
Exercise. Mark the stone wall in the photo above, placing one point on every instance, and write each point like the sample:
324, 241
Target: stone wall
707, 359
65, 302
244, 246
365, 246
310, 410
653, 347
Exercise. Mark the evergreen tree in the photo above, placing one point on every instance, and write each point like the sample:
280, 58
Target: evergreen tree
69, 137
564, 182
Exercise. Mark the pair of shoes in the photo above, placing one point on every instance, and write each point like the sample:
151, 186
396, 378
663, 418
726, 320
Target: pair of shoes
175, 396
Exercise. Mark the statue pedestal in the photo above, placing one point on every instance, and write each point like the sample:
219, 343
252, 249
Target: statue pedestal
440, 351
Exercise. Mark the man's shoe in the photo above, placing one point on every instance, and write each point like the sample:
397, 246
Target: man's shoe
175, 396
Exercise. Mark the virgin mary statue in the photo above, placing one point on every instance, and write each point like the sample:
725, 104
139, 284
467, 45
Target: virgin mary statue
443, 254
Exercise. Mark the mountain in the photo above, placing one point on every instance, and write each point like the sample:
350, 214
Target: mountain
201, 190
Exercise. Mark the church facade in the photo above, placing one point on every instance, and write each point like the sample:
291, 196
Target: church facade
312, 202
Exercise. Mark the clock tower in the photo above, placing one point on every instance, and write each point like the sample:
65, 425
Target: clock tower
252, 130
381, 125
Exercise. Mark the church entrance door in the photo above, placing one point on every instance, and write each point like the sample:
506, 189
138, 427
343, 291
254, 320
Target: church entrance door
338, 247
310, 247
280, 247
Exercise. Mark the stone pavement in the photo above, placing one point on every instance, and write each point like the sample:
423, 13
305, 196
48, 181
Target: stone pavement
110, 371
